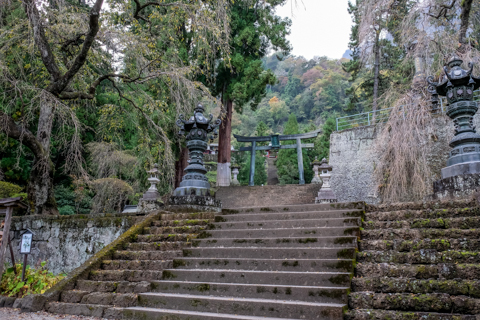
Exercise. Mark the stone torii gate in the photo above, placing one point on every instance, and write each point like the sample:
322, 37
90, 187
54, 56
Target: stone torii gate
275, 145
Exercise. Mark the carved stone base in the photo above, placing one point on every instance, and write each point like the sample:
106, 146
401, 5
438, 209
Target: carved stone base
149, 205
457, 187
196, 203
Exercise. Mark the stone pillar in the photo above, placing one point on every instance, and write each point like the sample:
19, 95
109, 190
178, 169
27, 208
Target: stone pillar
300, 162
251, 182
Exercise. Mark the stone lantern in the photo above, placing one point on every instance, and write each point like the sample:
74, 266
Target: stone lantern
325, 194
198, 129
458, 85
151, 199
235, 171
316, 165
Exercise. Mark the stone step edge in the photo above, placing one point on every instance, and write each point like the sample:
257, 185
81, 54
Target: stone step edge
406, 315
242, 299
336, 206
249, 285
250, 271
292, 212
277, 238
207, 315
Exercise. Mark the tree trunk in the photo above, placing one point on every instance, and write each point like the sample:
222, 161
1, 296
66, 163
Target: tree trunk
464, 18
41, 178
180, 165
224, 147
376, 75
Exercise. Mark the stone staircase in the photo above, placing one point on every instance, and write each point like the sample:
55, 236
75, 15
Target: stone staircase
418, 262
276, 262
132, 270
279, 262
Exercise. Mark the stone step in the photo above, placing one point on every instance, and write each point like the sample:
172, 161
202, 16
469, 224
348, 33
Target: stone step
364, 314
136, 264
102, 298
125, 275
173, 230
349, 207
412, 234
146, 255
413, 285
173, 237
282, 232
431, 302
180, 223
440, 223
153, 246
243, 306
415, 245
307, 265
136, 313
271, 253
419, 271
423, 206
264, 291
329, 279
427, 256
299, 242
113, 286
332, 216
78, 309
280, 224
402, 215
187, 216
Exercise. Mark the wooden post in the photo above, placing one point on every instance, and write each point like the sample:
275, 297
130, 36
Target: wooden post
12, 255
252, 164
24, 267
6, 232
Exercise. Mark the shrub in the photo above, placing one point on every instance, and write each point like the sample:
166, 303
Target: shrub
8, 190
111, 195
37, 281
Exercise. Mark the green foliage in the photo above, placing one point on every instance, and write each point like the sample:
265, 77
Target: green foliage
37, 281
212, 177
260, 177
322, 143
254, 29
9, 190
72, 201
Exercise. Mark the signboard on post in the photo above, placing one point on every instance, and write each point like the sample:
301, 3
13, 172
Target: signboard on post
26, 246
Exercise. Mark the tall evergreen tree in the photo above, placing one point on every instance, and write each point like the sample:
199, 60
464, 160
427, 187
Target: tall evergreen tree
254, 30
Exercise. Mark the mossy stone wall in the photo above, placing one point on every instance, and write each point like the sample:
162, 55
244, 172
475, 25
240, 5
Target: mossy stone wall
68, 241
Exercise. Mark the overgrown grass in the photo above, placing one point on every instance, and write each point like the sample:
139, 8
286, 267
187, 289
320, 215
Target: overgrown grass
37, 281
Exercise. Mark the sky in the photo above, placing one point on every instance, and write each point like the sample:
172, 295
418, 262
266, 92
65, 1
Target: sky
319, 27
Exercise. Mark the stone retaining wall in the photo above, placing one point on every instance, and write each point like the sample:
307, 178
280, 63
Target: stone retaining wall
353, 156
68, 241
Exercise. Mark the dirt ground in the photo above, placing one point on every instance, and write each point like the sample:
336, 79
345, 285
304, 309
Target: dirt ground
13, 314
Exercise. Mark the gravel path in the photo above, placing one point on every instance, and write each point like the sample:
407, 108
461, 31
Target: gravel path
13, 314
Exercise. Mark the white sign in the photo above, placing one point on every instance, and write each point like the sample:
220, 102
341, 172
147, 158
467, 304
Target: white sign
26, 243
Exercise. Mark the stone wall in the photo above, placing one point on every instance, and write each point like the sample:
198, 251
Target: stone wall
68, 241
353, 156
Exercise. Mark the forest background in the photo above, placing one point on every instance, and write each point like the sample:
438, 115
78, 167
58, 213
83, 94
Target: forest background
114, 93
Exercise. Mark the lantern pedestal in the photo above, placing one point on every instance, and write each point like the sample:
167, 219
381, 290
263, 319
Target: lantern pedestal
325, 194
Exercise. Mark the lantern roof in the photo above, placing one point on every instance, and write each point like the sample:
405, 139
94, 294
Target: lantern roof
455, 76
324, 165
155, 169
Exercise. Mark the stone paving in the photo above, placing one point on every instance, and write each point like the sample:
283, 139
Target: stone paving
10, 314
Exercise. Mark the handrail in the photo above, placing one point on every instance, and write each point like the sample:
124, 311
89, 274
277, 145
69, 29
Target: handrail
364, 119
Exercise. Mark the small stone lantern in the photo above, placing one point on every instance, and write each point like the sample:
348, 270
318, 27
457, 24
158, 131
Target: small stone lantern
235, 171
151, 199
316, 178
325, 194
